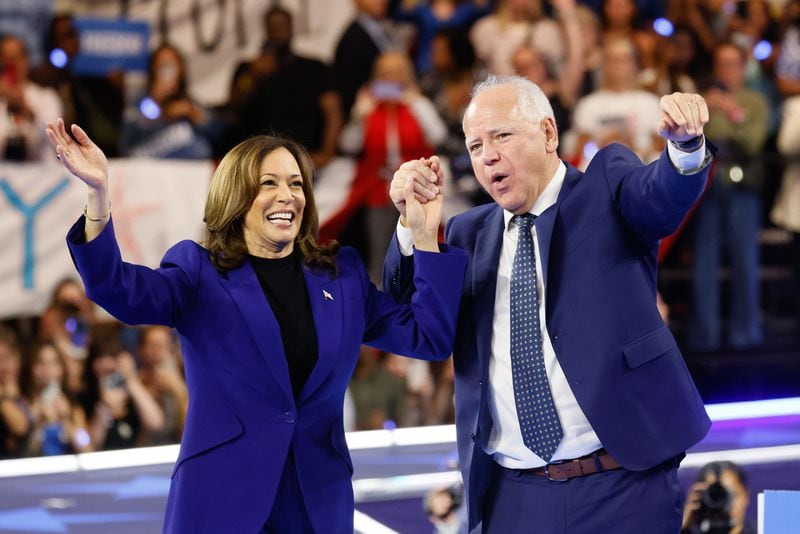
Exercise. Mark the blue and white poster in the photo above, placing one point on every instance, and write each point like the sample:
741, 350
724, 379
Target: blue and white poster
107, 45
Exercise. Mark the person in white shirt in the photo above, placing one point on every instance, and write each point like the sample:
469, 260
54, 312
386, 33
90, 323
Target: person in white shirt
25, 107
618, 112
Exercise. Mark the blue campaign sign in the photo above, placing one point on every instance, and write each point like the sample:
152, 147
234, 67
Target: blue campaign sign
107, 45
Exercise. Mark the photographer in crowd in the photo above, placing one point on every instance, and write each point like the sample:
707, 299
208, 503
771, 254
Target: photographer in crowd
717, 501
445, 509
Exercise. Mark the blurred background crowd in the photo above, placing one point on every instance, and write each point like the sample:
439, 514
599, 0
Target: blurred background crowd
72, 380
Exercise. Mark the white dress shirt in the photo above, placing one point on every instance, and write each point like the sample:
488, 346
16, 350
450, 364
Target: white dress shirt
505, 442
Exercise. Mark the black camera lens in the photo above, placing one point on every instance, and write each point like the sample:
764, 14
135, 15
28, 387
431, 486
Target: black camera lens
716, 497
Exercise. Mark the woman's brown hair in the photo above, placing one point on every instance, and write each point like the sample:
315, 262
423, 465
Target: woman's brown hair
34, 356
181, 90
233, 189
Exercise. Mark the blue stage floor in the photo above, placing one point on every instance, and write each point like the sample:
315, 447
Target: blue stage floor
87, 495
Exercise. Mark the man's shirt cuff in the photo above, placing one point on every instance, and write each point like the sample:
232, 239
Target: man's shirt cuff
405, 239
687, 162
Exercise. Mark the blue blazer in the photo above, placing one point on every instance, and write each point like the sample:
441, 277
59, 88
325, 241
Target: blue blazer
243, 417
598, 248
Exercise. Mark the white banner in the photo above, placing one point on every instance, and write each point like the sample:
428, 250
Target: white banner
216, 35
155, 204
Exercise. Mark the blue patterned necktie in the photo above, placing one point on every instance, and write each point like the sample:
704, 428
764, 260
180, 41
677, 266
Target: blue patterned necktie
538, 420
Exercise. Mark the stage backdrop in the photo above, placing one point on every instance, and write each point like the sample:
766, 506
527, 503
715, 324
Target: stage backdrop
217, 34
155, 204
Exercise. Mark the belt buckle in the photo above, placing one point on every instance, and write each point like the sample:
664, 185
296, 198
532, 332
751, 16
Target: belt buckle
549, 477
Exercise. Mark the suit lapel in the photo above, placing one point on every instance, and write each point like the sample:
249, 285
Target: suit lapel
327, 303
547, 220
243, 287
488, 241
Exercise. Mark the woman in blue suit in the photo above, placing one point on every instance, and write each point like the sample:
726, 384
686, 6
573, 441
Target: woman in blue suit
271, 323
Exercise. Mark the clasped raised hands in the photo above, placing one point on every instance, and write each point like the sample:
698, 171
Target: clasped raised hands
416, 193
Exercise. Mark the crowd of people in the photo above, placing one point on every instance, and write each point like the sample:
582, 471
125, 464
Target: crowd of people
73, 381
83, 384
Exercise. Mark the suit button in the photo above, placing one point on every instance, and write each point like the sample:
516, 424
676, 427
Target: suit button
555, 338
480, 382
472, 436
289, 417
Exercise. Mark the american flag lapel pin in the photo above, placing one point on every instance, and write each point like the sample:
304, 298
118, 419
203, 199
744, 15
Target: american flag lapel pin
327, 295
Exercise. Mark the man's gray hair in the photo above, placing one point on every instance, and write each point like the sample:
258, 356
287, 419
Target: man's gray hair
532, 103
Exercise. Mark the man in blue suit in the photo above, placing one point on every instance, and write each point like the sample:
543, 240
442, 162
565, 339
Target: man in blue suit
573, 404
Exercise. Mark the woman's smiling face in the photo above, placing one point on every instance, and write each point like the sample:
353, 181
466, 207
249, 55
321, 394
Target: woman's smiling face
273, 221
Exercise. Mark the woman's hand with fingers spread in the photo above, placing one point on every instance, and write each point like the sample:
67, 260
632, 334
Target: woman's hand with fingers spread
85, 160
80, 155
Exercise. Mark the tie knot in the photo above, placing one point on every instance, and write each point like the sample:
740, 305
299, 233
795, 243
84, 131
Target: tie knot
525, 221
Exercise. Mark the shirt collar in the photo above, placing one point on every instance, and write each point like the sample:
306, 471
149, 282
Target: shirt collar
547, 198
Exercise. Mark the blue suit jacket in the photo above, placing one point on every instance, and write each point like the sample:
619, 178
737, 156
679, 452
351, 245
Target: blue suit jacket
598, 248
243, 416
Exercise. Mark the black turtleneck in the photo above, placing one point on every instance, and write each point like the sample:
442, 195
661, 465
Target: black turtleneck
285, 288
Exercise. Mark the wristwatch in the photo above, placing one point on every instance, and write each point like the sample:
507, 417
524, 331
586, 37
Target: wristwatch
690, 145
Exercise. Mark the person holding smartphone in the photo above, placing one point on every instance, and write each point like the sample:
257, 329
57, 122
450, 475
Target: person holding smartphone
59, 420
391, 122
120, 409
15, 417
160, 370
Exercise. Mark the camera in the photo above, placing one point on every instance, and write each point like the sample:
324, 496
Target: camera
714, 514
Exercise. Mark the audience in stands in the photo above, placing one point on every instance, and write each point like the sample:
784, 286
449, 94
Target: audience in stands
429, 18
391, 122
119, 407
281, 91
27, 20
59, 422
620, 20
512, 24
15, 415
672, 61
66, 323
167, 122
448, 85
161, 373
729, 215
619, 112
562, 88
95, 101
786, 211
378, 394
364, 39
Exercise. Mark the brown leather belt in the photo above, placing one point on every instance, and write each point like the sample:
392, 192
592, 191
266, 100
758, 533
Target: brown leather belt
590, 464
